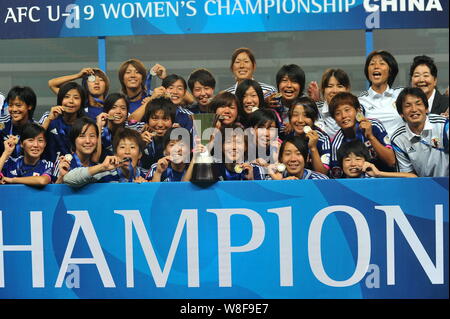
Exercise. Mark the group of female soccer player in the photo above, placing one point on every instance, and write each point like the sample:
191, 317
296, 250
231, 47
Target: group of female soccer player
257, 131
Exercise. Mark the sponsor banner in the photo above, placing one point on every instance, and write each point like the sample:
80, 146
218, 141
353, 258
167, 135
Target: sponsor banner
84, 18
367, 239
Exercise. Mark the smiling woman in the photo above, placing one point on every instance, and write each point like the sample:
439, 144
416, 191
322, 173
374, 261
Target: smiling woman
94, 81
114, 116
243, 66
293, 154
22, 103
425, 154
29, 168
132, 75
333, 81
58, 122
423, 74
378, 102
346, 110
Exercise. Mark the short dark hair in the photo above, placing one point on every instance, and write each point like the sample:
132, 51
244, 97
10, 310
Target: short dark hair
389, 59
343, 98
25, 94
294, 73
171, 79
77, 129
242, 50
202, 76
66, 87
31, 130
309, 105
113, 98
224, 98
99, 73
260, 117
237, 130
423, 60
127, 133
160, 103
299, 142
354, 146
410, 91
340, 75
242, 89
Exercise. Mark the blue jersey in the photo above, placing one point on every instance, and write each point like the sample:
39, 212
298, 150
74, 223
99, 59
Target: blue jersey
378, 131
323, 147
107, 147
58, 142
107, 138
184, 117
117, 175
152, 152
16, 167
169, 175
136, 104
93, 111
223, 174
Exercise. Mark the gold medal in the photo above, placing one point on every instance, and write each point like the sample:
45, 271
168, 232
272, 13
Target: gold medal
114, 117
307, 129
2, 125
238, 169
359, 116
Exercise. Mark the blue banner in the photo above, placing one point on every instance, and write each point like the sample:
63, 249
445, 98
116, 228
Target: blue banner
364, 239
83, 18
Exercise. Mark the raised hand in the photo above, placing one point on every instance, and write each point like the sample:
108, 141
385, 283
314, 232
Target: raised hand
160, 71
55, 112
313, 91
